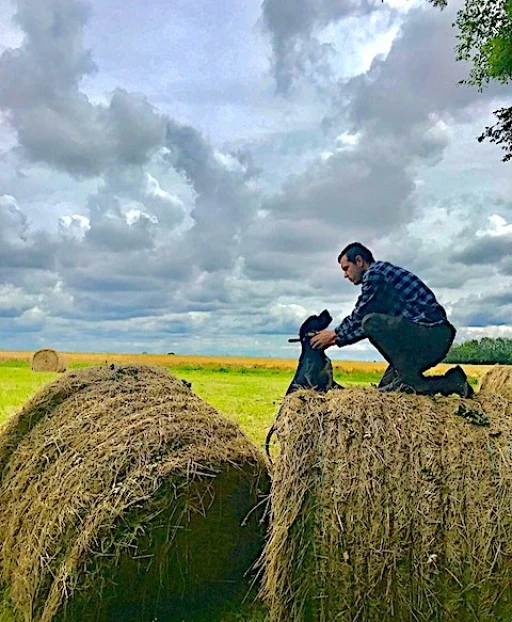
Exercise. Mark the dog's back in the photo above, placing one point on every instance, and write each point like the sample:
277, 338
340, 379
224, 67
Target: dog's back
314, 371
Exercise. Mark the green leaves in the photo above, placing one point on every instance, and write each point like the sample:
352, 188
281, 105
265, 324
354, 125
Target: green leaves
485, 351
484, 26
485, 41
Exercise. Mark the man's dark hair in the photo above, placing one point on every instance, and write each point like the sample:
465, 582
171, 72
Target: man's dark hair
355, 249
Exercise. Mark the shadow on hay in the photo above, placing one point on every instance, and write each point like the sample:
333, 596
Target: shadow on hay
185, 570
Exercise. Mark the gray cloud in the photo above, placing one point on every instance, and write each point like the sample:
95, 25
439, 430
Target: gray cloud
19, 249
354, 185
131, 215
370, 185
55, 122
224, 204
399, 110
486, 250
292, 25
418, 78
122, 225
484, 310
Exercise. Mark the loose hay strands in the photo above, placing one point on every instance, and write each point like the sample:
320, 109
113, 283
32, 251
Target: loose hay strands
124, 494
390, 507
47, 360
497, 381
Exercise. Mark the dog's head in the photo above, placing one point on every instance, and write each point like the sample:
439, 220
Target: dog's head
313, 325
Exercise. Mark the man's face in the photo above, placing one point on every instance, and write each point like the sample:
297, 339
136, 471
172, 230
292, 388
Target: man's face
352, 271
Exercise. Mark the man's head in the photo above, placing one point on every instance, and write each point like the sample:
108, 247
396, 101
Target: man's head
354, 260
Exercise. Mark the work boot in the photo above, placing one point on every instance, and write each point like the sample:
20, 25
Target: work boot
397, 385
456, 381
388, 376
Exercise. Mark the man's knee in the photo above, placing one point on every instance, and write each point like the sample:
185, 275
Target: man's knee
373, 323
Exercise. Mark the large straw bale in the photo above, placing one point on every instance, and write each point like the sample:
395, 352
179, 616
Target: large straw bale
390, 507
47, 359
124, 496
497, 381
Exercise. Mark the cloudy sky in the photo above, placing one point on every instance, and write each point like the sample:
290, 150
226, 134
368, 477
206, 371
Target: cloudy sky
180, 176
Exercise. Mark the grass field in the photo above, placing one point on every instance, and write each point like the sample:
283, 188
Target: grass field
247, 390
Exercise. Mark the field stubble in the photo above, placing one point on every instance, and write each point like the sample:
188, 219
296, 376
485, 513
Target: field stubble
347, 368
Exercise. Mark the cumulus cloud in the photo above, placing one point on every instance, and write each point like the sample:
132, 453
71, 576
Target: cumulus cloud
395, 121
14, 300
225, 202
487, 308
55, 122
13, 221
132, 215
399, 111
123, 224
292, 28
19, 249
490, 247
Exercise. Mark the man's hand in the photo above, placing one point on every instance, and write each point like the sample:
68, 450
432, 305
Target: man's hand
323, 340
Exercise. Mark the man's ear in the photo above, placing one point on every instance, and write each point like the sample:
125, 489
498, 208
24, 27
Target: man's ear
359, 261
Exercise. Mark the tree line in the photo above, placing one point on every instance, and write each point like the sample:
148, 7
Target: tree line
484, 351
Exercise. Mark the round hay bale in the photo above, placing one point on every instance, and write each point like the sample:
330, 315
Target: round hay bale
497, 381
47, 359
124, 496
390, 507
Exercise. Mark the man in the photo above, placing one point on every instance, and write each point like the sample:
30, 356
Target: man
401, 317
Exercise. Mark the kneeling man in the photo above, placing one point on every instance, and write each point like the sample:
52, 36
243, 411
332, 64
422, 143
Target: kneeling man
401, 317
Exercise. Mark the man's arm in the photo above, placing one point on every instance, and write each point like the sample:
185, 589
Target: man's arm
350, 330
324, 339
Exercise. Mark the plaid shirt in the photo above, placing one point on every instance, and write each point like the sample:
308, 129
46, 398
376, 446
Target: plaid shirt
393, 291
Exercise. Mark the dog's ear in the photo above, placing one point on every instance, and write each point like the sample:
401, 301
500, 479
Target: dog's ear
324, 319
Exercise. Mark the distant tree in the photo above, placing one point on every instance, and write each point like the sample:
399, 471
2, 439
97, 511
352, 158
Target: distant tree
485, 40
485, 351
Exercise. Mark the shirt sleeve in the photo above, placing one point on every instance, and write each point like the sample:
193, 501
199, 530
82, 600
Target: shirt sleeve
350, 330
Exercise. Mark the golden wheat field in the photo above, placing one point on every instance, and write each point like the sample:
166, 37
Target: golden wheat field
175, 360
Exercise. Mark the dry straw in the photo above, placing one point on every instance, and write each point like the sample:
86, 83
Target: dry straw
47, 359
390, 507
497, 381
124, 496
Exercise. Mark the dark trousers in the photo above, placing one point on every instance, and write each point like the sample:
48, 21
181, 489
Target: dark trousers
409, 348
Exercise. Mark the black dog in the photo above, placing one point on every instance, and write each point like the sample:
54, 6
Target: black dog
314, 370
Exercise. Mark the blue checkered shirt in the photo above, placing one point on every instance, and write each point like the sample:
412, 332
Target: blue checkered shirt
393, 291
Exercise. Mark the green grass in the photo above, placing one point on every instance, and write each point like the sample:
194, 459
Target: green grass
249, 395
250, 399
17, 383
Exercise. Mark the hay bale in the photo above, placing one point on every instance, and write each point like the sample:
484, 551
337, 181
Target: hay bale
124, 496
47, 359
390, 507
497, 381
